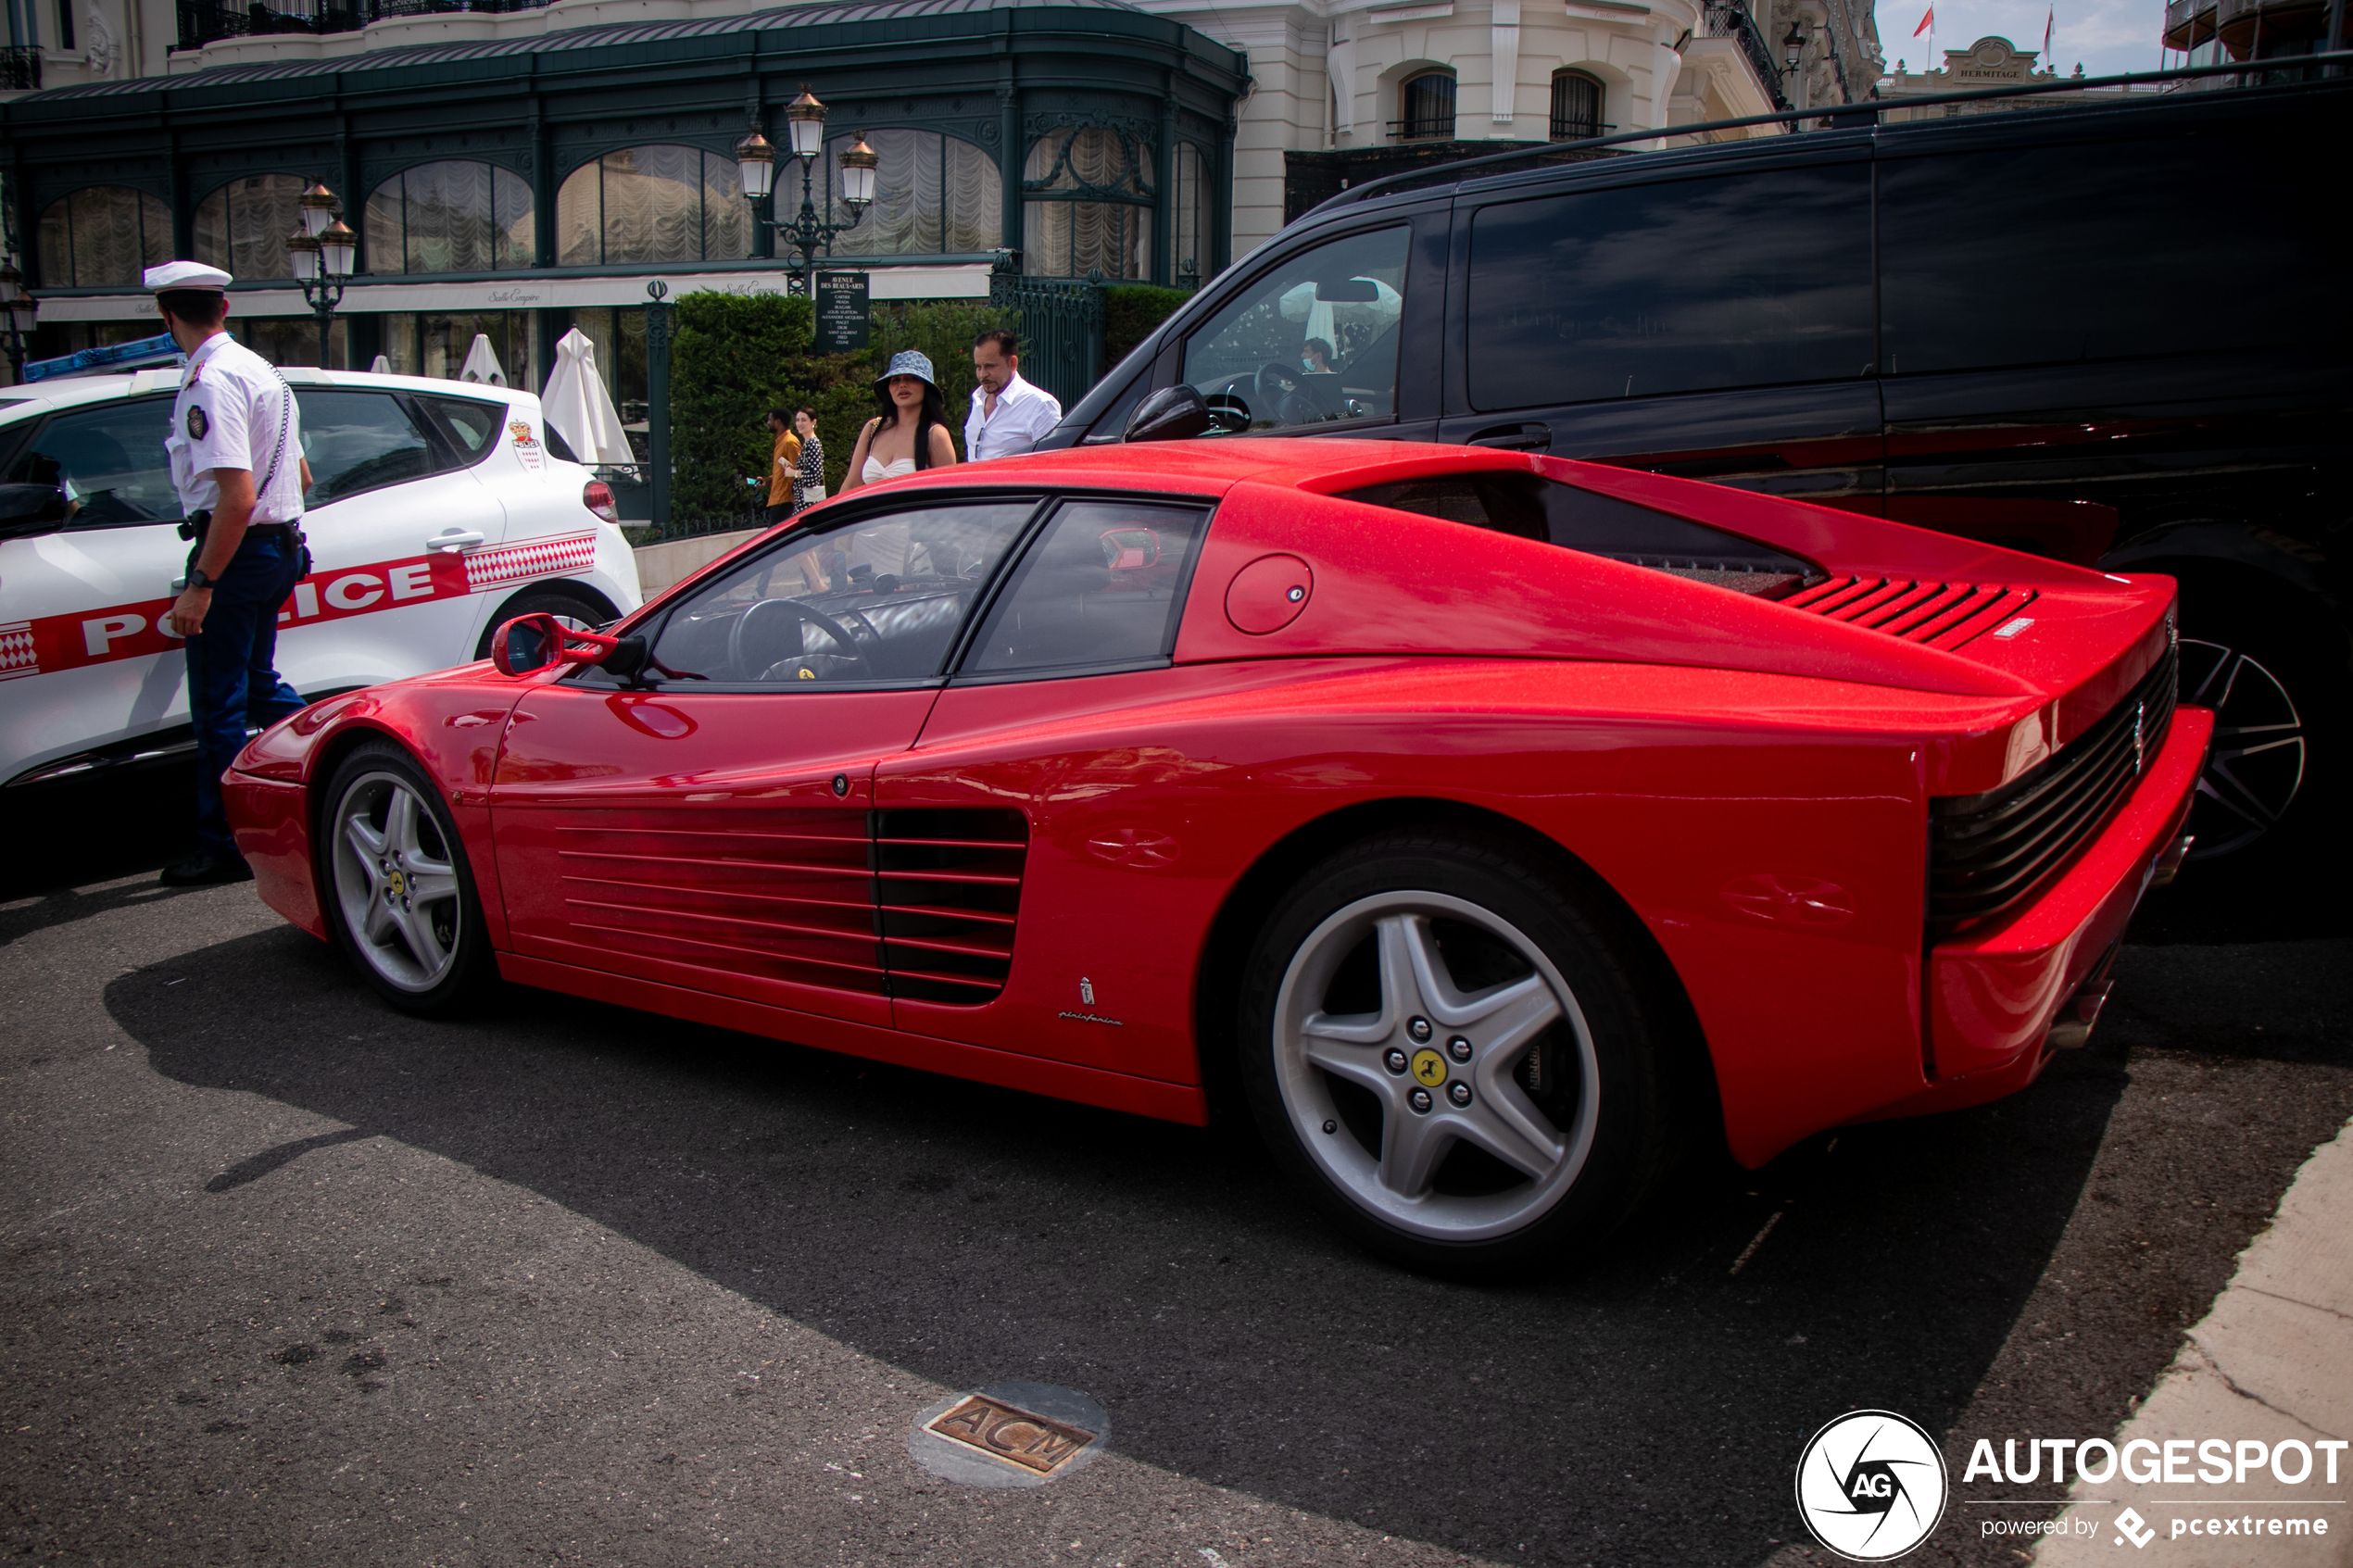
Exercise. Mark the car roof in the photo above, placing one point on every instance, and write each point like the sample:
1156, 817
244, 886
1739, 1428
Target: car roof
1209, 466
18, 403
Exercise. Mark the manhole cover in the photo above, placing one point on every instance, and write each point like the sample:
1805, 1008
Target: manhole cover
1009, 1435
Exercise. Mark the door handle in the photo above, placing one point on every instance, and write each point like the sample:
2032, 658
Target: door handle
1515, 438
455, 539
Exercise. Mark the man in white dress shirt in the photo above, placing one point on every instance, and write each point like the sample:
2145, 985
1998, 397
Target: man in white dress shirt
1008, 414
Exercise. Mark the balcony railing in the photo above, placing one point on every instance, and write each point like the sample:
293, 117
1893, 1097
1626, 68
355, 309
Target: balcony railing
207, 21
1726, 19
20, 68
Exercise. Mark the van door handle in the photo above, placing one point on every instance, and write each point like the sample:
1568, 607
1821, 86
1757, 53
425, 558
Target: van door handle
455, 539
1515, 438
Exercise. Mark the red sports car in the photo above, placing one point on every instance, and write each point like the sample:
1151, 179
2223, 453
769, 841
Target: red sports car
1485, 822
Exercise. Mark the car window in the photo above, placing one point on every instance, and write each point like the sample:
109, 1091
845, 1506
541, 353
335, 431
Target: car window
1752, 279
471, 425
1533, 508
1101, 586
109, 460
878, 598
360, 441
2075, 252
1312, 341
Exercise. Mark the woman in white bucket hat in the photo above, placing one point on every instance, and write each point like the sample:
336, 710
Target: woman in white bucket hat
910, 430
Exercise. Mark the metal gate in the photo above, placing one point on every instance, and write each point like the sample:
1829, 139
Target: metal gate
1062, 327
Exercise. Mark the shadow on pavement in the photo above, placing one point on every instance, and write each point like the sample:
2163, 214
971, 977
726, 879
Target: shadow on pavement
970, 1234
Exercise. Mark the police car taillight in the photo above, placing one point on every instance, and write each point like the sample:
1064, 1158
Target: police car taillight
597, 496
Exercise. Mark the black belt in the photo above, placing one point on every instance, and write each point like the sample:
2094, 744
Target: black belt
198, 523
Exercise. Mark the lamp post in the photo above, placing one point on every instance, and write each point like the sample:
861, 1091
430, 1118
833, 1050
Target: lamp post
1794, 53
756, 161
21, 313
323, 250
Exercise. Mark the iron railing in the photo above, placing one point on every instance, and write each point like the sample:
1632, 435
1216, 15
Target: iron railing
208, 21
1062, 326
1728, 18
1861, 114
20, 68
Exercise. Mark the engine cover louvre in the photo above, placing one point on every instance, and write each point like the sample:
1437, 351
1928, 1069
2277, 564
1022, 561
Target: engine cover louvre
1941, 615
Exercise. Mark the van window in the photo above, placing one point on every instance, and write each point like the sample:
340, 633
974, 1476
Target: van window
1312, 341
1749, 279
2022, 255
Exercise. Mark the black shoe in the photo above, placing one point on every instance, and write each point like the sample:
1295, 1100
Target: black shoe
201, 870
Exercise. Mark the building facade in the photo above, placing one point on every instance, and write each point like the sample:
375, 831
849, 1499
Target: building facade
1348, 89
1989, 63
518, 172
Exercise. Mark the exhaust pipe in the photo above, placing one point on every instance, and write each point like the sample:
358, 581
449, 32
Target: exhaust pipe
2168, 865
2073, 1027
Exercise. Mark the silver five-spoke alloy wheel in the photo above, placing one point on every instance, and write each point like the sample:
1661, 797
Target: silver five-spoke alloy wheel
1444, 1065
395, 882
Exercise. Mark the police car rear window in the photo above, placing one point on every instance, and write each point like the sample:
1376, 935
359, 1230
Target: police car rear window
472, 424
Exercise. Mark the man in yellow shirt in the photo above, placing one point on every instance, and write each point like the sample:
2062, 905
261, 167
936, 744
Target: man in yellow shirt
781, 466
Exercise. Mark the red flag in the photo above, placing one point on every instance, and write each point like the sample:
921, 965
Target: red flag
1926, 22
2048, 17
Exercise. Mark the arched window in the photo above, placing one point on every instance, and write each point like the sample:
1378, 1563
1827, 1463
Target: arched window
243, 226
102, 236
451, 217
1193, 219
1576, 106
1088, 205
933, 194
653, 204
1426, 107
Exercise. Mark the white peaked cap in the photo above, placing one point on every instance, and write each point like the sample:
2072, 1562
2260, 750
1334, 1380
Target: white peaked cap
185, 275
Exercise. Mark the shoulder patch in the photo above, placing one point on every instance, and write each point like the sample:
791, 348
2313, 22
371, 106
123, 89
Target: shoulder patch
197, 422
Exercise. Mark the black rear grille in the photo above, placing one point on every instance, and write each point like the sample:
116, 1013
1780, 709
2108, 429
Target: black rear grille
1986, 852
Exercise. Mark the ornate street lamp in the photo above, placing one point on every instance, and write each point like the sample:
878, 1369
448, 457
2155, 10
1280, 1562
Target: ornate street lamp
808, 233
1793, 46
322, 250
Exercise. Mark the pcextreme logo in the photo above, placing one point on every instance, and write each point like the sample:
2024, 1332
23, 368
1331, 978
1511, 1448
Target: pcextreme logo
1871, 1485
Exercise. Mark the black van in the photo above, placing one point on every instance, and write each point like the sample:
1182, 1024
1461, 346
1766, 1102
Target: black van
2114, 334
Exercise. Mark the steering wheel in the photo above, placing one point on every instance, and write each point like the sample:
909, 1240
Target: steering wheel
740, 635
1282, 394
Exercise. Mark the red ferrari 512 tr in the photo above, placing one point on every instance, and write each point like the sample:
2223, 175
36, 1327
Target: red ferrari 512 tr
1476, 815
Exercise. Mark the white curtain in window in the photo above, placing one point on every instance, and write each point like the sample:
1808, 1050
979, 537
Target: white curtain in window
973, 210
580, 218
1098, 157
243, 226
1192, 210
933, 193
1068, 238
102, 236
726, 234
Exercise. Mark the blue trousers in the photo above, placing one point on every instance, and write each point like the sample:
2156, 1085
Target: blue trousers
232, 678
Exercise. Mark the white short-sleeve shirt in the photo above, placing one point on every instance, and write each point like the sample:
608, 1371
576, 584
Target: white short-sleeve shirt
234, 411
1025, 411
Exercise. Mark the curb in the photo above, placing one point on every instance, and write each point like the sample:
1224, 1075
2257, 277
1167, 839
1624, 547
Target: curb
2272, 1360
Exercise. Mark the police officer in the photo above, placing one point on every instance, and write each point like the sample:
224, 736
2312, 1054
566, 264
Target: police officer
235, 445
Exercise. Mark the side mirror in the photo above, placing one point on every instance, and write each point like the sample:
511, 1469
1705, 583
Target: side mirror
1174, 413
529, 643
1133, 548
34, 508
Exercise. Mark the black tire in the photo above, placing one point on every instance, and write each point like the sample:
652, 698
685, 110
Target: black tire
1501, 923
578, 608
405, 911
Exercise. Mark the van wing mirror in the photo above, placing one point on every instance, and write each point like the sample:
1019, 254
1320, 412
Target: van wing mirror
1174, 413
529, 643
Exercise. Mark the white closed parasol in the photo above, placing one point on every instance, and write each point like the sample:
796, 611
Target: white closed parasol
482, 364
577, 405
381, 366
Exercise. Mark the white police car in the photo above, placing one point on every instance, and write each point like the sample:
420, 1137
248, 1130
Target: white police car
438, 509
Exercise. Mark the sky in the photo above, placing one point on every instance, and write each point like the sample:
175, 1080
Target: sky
2108, 36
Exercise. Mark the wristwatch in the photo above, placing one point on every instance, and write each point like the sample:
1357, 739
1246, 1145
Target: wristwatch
196, 578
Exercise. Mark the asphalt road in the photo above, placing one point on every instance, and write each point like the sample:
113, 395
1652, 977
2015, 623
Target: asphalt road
291, 1278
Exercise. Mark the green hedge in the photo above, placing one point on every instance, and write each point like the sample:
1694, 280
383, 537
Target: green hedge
737, 356
1130, 312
